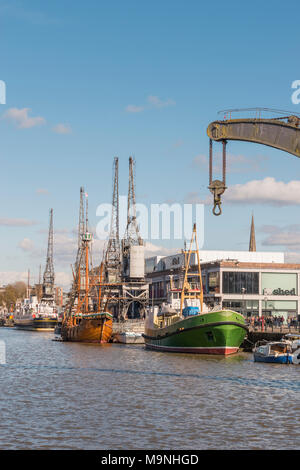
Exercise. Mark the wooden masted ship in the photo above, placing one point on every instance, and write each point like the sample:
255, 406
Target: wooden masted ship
85, 319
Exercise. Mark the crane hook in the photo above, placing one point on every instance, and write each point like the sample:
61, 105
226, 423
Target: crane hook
217, 187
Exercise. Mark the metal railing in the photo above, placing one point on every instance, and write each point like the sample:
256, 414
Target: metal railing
293, 327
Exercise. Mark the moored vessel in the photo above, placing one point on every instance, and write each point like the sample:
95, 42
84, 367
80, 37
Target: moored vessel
184, 323
129, 337
285, 351
34, 315
220, 332
39, 311
85, 319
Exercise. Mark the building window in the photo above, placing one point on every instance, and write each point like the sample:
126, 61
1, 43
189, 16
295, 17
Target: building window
239, 282
279, 283
246, 307
280, 308
214, 282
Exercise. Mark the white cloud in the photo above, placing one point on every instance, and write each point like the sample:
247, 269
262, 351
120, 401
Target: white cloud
153, 102
234, 163
288, 236
62, 129
178, 144
10, 277
42, 191
16, 222
63, 279
155, 250
20, 118
266, 191
26, 245
15, 10
156, 102
131, 108
283, 238
292, 257
194, 197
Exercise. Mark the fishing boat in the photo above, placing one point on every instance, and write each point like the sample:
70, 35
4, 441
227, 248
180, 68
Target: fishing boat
285, 351
85, 319
185, 324
30, 314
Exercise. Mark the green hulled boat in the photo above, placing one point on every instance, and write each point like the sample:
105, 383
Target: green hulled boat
220, 332
185, 324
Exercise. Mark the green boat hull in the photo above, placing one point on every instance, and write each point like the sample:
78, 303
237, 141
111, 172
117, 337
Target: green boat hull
220, 332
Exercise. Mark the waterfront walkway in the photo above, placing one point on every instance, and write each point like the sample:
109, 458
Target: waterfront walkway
283, 329
267, 333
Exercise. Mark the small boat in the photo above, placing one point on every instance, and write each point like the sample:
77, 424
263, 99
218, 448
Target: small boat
184, 324
129, 337
276, 352
8, 321
285, 351
57, 332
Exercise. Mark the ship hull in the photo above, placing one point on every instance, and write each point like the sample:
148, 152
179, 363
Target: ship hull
129, 338
219, 333
97, 329
36, 324
272, 359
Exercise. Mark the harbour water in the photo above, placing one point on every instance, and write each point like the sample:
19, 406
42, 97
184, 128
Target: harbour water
56, 395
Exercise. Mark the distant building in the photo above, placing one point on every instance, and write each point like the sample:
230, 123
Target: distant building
59, 296
250, 282
250, 287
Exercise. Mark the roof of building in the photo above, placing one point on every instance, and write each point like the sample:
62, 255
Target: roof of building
164, 263
245, 265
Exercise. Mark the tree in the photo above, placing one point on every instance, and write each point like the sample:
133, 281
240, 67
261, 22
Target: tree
12, 293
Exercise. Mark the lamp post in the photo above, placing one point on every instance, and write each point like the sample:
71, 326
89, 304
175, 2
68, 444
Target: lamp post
244, 304
263, 317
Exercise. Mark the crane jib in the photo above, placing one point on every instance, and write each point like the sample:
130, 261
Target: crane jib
282, 133
271, 132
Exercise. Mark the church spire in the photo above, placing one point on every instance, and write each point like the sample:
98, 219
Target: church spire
252, 243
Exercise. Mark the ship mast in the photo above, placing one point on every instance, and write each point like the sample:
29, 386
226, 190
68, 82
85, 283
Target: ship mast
86, 239
189, 291
81, 285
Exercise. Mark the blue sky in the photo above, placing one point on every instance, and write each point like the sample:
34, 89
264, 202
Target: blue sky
99, 79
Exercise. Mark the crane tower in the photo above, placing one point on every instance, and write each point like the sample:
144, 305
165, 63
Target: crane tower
48, 278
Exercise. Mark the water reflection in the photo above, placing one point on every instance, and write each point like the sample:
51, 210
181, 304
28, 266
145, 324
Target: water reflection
84, 396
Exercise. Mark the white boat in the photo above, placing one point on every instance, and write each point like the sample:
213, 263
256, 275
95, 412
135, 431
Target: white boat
33, 315
129, 337
285, 351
